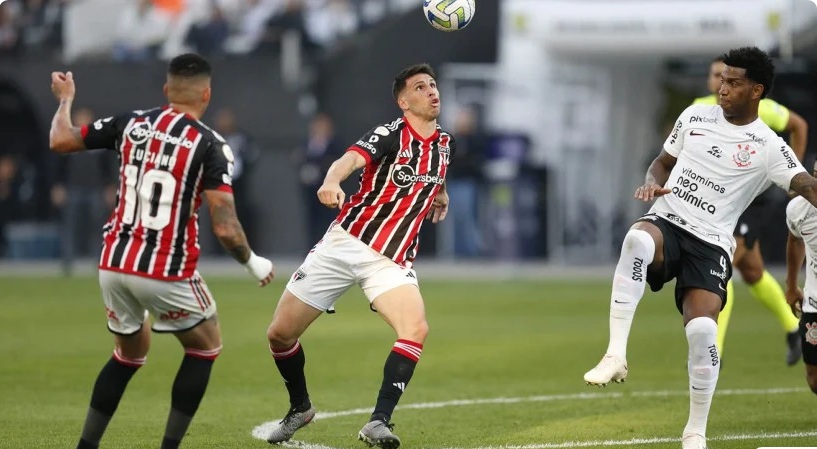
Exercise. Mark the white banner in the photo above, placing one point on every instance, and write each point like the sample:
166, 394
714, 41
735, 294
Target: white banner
670, 27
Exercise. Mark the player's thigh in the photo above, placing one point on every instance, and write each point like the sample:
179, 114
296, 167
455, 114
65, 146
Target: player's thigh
750, 264
176, 306
326, 273
700, 288
394, 293
125, 312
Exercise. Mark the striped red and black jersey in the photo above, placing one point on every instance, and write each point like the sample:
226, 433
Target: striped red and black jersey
166, 159
403, 174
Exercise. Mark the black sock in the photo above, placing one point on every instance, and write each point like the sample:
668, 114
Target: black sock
188, 390
290, 363
108, 389
397, 373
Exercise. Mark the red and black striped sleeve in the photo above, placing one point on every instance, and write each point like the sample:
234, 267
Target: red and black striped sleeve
376, 143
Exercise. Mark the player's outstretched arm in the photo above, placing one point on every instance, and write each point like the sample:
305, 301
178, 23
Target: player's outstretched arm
657, 175
330, 194
230, 234
805, 185
64, 137
797, 127
795, 255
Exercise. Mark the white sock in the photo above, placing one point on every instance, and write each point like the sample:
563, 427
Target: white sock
704, 368
629, 281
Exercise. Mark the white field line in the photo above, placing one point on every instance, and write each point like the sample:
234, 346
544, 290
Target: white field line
644, 441
261, 431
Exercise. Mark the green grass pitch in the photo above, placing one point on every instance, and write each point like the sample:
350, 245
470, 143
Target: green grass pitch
525, 341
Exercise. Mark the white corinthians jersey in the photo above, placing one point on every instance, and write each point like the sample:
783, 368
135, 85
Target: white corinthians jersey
721, 168
801, 218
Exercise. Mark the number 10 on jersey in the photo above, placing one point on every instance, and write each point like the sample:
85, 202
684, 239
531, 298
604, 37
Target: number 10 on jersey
151, 199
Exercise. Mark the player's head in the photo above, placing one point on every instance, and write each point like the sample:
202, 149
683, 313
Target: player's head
188, 81
713, 82
415, 90
747, 78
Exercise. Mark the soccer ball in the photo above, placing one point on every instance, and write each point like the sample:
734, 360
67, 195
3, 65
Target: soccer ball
449, 15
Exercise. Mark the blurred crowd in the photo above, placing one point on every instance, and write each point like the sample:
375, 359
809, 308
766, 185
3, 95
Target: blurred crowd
141, 29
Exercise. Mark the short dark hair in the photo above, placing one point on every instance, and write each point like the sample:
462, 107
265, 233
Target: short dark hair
759, 66
400, 80
189, 65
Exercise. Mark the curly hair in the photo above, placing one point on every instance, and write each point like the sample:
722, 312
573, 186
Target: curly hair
759, 66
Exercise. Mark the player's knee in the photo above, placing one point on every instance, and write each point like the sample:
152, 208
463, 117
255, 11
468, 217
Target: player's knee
751, 274
417, 332
811, 378
278, 338
639, 242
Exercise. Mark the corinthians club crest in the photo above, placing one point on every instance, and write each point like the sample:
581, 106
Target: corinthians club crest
743, 157
811, 333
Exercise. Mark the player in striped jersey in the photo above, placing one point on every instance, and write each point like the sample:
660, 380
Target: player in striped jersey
372, 243
168, 158
747, 258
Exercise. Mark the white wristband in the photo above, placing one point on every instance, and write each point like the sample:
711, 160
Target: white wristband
258, 267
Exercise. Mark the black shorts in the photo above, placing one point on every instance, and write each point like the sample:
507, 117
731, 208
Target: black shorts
750, 224
693, 262
808, 333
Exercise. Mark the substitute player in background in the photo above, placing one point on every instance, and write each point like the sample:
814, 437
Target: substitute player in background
150, 243
716, 160
372, 243
801, 219
747, 258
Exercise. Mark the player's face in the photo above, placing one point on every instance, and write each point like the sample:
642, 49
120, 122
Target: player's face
421, 97
736, 92
714, 80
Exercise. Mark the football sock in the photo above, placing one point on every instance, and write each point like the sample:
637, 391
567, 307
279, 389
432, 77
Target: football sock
397, 373
768, 291
703, 367
188, 390
726, 313
108, 390
290, 363
629, 280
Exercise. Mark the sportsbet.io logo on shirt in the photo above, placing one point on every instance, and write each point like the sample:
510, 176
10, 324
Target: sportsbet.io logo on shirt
403, 176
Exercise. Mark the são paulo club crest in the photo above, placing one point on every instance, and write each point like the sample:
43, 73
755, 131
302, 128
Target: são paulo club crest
743, 157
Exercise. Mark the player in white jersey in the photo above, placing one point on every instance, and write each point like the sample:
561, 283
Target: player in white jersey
715, 161
801, 218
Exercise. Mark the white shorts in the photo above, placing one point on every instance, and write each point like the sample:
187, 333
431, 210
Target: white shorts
339, 261
176, 306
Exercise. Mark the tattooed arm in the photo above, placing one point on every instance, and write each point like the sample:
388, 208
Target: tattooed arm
230, 234
226, 226
805, 185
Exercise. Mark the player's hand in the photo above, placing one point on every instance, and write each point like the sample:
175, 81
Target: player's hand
649, 192
331, 195
261, 269
439, 207
62, 85
795, 299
